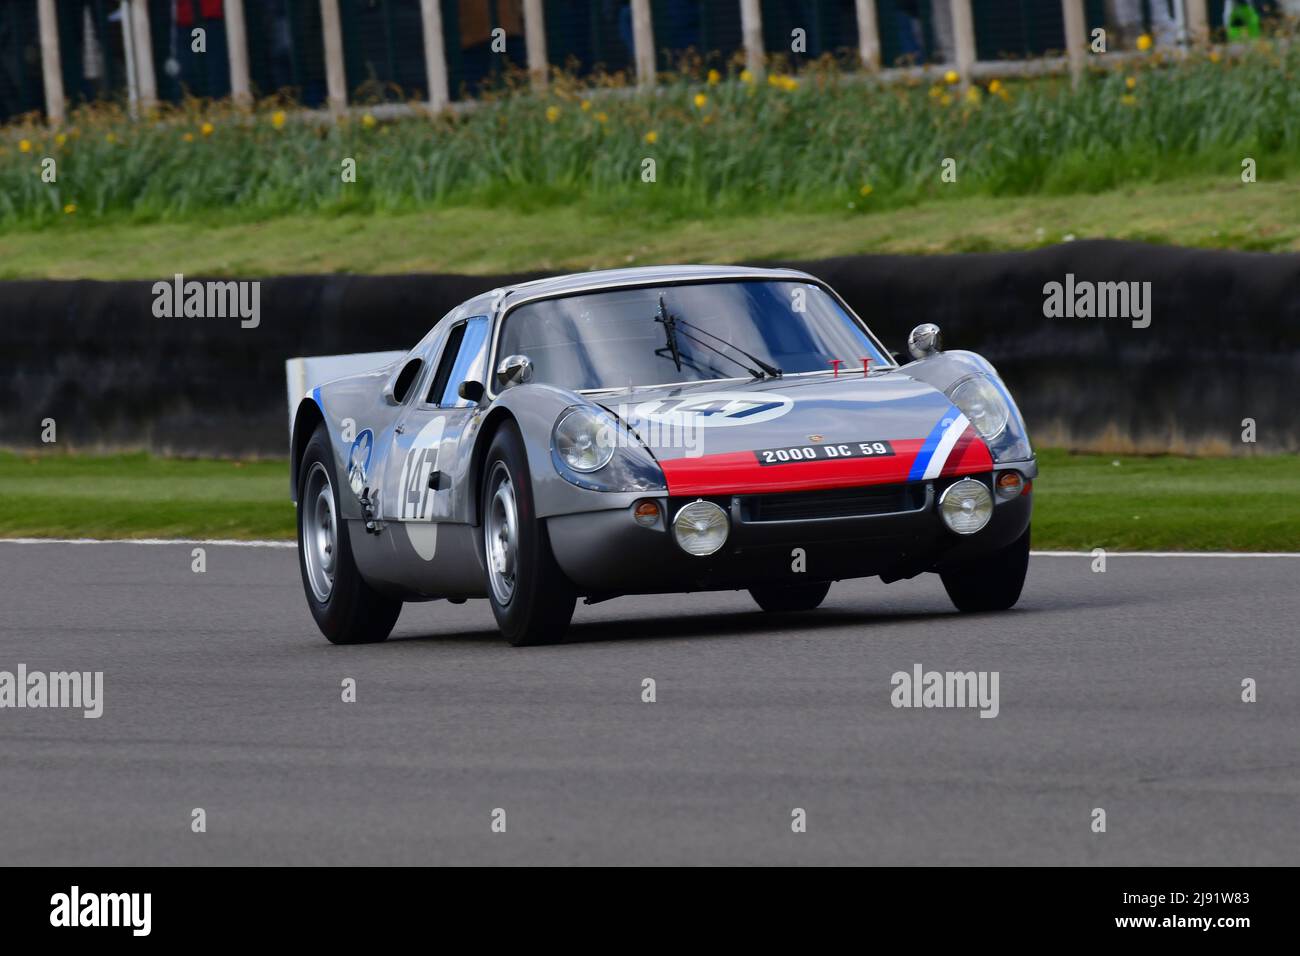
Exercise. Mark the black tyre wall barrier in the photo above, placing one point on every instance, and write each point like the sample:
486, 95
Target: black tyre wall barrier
1222, 345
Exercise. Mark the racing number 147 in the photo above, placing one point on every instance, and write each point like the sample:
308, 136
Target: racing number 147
725, 407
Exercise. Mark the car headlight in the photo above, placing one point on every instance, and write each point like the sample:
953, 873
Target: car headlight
966, 506
981, 402
700, 528
585, 440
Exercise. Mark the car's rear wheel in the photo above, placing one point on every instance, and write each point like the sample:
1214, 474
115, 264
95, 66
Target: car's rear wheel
531, 598
791, 597
346, 608
991, 583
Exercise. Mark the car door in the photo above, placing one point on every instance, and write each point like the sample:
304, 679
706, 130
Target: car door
417, 482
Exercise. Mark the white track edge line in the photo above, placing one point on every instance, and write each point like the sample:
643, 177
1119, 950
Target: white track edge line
1169, 554
209, 542
230, 543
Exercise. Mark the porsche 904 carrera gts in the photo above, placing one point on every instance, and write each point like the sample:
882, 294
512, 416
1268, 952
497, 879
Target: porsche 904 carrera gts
641, 431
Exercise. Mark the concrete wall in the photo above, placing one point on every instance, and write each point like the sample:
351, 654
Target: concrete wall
1223, 344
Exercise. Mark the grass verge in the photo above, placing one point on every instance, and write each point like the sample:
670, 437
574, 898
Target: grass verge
709, 143
1214, 213
1083, 501
143, 496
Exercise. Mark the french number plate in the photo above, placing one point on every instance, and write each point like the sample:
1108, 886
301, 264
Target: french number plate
826, 452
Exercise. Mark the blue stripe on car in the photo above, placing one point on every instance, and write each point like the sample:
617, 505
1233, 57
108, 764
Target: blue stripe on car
922, 460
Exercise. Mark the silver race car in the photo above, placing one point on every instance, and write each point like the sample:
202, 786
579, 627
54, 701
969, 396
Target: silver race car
638, 431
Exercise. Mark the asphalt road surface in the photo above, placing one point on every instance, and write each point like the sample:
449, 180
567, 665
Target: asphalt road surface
1119, 690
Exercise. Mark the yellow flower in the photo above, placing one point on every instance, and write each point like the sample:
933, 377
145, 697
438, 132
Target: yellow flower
701, 101
973, 95
936, 92
746, 76
1128, 100
996, 87
188, 137
368, 121
951, 77
1215, 56
1131, 82
602, 117
61, 138
1145, 42
865, 191
773, 79
789, 84
714, 77
69, 209
24, 146
277, 119
945, 100
552, 114
111, 138
586, 106
207, 129
652, 137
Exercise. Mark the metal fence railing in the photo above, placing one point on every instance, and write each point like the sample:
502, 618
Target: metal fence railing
394, 50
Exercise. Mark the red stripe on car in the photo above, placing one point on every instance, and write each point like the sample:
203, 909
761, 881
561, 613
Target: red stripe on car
969, 456
739, 472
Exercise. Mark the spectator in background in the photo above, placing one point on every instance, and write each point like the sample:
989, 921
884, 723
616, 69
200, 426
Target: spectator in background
683, 27
92, 57
945, 46
276, 15
1126, 16
476, 19
1241, 20
200, 74
910, 47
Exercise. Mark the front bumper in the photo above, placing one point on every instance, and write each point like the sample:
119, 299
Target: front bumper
899, 536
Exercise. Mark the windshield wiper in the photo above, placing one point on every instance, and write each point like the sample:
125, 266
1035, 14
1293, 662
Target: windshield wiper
769, 371
671, 322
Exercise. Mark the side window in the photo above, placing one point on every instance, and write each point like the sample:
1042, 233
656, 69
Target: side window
406, 378
450, 350
461, 360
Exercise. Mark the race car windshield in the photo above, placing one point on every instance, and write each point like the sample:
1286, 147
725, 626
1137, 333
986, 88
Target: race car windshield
659, 335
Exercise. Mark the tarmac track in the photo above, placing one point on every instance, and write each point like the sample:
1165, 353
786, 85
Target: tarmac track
1119, 690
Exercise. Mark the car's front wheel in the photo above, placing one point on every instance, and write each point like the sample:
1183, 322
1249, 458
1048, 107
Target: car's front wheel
992, 583
346, 608
531, 598
791, 597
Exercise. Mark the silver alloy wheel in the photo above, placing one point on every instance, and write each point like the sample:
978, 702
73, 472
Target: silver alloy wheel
501, 534
319, 534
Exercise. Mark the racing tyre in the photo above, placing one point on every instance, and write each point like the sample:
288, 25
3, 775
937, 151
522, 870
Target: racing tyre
531, 598
791, 597
991, 583
346, 609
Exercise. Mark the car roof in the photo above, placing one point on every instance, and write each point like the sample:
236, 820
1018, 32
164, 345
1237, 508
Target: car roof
614, 278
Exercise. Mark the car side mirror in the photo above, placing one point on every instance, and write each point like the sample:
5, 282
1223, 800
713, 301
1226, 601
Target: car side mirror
514, 370
470, 391
924, 341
